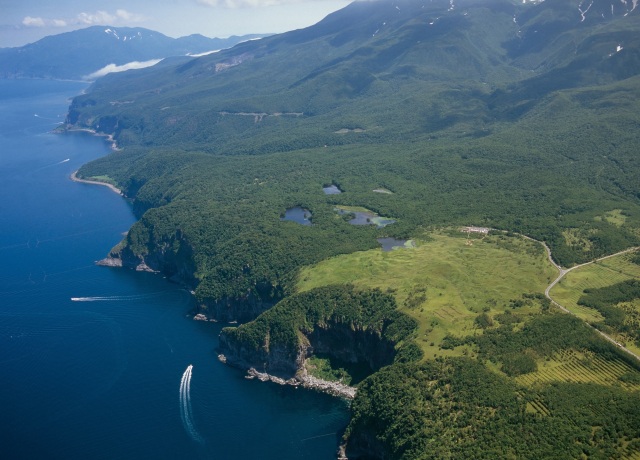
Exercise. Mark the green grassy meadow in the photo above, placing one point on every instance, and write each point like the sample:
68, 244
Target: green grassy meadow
445, 281
572, 366
600, 274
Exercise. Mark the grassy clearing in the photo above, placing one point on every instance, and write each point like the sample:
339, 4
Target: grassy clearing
105, 179
631, 455
615, 217
322, 368
576, 238
597, 275
444, 282
579, 367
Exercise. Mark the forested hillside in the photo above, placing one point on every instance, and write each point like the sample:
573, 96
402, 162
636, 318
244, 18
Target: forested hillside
521, 117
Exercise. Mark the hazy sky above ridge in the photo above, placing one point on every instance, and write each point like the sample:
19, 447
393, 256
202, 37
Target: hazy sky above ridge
26, 21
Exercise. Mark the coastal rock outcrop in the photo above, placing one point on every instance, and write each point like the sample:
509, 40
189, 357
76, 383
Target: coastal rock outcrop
234, 309
304, 380
357, 327
174, 258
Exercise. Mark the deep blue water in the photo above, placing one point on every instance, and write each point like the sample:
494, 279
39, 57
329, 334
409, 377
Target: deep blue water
106, 378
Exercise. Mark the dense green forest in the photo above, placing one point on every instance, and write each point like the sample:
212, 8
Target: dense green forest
563, 164
457, 408
521, 117
358, 326
222, 204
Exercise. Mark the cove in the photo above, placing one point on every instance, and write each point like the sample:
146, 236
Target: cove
107, 363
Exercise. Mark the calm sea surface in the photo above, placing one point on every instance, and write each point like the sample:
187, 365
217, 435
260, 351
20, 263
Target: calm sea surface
108, 375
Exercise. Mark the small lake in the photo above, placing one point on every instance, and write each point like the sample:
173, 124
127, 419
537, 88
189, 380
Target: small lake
298, 215
390, 243
331, 190
366, 218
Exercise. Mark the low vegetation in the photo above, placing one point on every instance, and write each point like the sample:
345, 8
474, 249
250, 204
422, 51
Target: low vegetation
447, 282
606, 295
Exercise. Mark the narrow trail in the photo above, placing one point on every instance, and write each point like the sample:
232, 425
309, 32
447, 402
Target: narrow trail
564, 271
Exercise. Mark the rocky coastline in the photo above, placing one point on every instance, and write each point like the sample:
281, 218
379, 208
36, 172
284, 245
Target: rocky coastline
302, 379
109, 137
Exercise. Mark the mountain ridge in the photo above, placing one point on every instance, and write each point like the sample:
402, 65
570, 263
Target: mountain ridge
427, 47
80, 53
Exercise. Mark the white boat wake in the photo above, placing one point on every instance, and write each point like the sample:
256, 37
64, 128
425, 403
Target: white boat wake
114, 298
53, 164
185, 405
97, 299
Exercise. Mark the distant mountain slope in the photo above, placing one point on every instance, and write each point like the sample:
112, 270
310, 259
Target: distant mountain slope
460, 65
80, 53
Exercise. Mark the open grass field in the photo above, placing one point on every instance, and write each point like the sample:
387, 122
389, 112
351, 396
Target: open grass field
579, 367
616, 217
631, 455
446, 281
597, 275
103, 178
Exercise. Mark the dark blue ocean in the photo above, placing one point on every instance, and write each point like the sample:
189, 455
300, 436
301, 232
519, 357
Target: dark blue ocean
109, 377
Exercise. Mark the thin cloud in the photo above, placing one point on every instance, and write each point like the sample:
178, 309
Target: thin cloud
106, 18
129, 16
111, 68
29, 21
231, 4
97, 18
33, 22
89, 19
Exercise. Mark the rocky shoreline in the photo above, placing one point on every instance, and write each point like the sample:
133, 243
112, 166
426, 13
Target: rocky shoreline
74, 177
302, 380
109, 137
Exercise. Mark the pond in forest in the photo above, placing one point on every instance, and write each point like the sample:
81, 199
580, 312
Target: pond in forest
331, 190
298, 214
362, 216
390, 243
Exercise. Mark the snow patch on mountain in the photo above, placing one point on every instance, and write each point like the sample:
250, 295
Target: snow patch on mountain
114, 33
